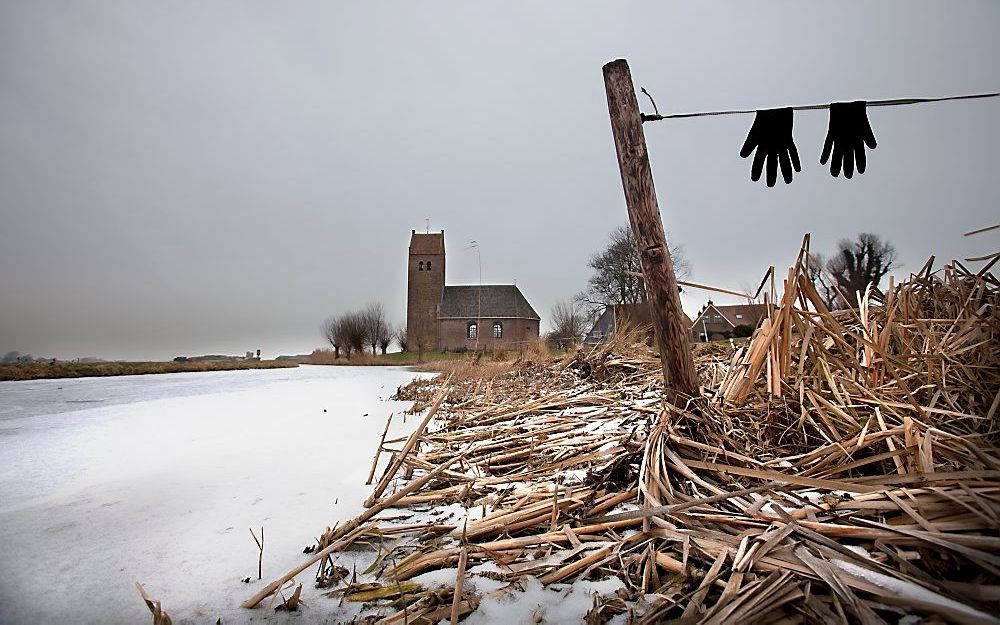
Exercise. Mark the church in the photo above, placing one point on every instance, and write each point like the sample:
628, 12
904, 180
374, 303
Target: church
460, 317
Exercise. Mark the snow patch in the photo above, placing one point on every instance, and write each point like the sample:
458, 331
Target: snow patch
558, 603
912, 594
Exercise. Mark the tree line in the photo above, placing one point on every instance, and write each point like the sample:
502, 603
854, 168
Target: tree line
354, 331
616, 278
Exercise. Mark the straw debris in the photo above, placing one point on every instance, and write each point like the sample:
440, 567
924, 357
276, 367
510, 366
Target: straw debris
840, 466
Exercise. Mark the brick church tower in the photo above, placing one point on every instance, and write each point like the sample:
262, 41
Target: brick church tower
424, 286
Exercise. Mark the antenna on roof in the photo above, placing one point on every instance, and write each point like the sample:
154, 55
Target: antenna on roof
428, 221
474, 245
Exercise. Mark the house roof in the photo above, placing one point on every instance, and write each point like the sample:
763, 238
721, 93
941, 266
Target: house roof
747, 312
427, 243
498, 301
750, 314
637, 314
602, 327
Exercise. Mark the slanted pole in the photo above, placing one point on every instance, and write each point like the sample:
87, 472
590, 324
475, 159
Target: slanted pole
680, 379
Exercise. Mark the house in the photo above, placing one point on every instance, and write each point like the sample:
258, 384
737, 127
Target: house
618, 316
717, 322
458, 317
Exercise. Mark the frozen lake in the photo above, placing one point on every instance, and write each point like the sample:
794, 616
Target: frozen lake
156, 479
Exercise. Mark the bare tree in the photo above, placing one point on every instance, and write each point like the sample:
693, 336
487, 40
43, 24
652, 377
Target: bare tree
385, 341
617, 271
385, 336
821, 281
569, 322
858, 263
352, 332
416, 338
344, 334
333, 334
375, 325
400, 336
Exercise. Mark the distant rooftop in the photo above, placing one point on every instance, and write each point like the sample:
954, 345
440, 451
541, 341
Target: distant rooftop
737, 314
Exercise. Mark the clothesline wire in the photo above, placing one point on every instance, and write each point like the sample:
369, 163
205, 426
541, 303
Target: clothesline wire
813, 107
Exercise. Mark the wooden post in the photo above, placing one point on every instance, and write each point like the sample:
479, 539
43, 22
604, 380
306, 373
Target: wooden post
679, 376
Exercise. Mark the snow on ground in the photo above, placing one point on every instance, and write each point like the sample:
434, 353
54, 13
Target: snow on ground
532, 603
537, 604
108, 481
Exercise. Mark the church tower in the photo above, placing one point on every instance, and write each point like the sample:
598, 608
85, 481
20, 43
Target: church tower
425, 283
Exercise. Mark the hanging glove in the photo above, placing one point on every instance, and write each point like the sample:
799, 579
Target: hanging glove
771, 135
848, 134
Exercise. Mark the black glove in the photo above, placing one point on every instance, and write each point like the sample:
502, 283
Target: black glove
848, 135
771, 135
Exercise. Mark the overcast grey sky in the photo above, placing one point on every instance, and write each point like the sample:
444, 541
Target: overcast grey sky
192, 177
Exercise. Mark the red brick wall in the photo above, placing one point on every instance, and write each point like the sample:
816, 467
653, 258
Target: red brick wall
452, 333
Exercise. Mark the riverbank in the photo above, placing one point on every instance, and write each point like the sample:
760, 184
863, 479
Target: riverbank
842, 466
62, 369
392, 359
433, 360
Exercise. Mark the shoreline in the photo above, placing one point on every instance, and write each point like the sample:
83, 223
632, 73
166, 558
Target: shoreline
22, 371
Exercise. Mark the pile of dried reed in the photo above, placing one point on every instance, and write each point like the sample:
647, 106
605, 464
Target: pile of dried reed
842, 466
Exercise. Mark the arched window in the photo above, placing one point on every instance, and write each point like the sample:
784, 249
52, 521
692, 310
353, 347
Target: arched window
428, 265
497, 330
473, 330
420, 266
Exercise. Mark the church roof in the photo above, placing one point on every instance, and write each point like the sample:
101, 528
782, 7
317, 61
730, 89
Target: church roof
501, 301
427, 243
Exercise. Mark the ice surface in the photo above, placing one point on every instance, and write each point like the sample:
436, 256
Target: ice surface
108, 481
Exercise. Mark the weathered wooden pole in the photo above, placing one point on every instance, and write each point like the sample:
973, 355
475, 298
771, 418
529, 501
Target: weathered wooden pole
679, 376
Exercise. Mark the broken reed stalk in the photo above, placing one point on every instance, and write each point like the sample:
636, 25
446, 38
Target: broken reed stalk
843, 465
411, 442
378, 452
260, 547
160, 617
292, 603
346, 528
456, 602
